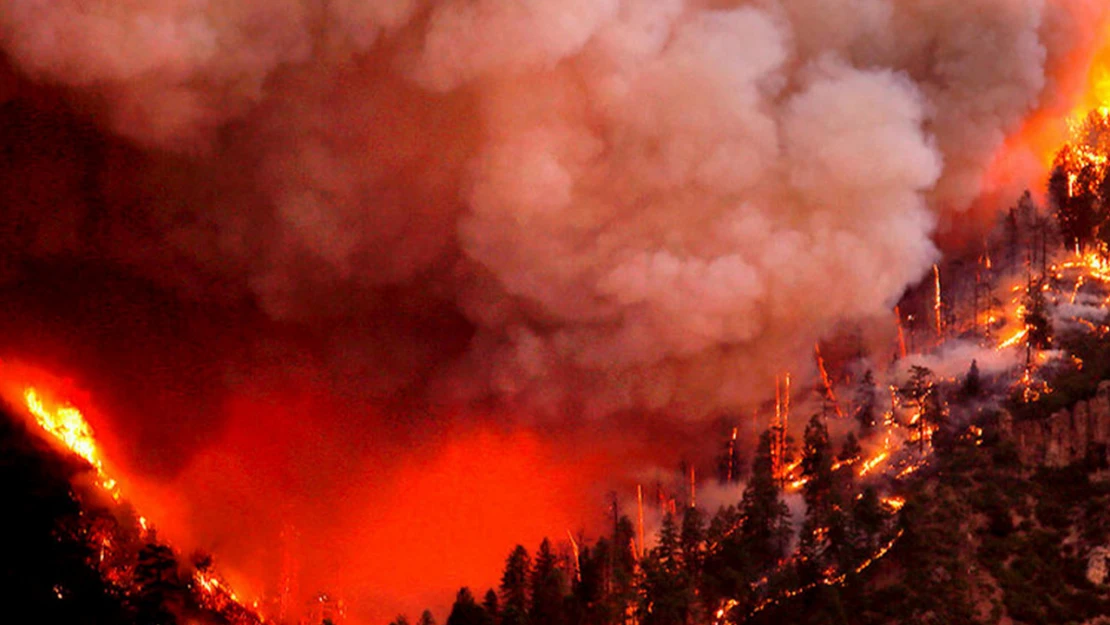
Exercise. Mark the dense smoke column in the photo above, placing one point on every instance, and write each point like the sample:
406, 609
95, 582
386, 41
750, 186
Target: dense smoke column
637, 201
562, 207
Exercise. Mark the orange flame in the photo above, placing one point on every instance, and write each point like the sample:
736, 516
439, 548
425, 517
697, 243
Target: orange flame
937, 304
901, 333
894, 503
68, 426
1081, 84
873, 462
829, 393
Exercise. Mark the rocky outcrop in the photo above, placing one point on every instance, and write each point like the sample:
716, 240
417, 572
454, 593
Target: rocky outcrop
1066, 437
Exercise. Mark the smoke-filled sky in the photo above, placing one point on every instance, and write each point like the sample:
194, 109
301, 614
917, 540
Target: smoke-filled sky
314, 257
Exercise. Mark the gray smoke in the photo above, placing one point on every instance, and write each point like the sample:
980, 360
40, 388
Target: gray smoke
589, 204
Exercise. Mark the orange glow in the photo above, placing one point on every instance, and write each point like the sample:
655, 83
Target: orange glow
894, 503
1013, 339
395, 525
830, 395
451, 519
1095, 93
901, 333
68, 426
1080, 83
873, 462
937, 305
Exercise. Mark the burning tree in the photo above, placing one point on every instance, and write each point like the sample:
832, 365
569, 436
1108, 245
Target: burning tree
1035, 316
825, 532
1079, 187
730, 462
920, 393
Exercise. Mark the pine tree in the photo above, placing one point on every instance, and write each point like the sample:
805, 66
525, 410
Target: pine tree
865, 401
973, 384
692, 540
547, 588
466, 610
920, 391
157, 584
514, 588
666, 591
622, 571
426, 618
1035, 317
669, 548
590, 598
730, 462
851, 450
765, 528
490, 608
822, 534
1059, 197
867, 518
817, 464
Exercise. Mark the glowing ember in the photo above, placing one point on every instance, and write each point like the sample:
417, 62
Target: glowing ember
1014, 339
908, 470
937, 301
873, 462
830, 396
894, 503
829, 579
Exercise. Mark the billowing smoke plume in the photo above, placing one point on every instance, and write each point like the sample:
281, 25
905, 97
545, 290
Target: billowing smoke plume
279, 238
639, 203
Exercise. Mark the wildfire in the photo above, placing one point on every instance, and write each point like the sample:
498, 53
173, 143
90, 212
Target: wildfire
908, 470
1093, 266
68, 426
894, 503
937, 303
830, 579
779, 428
873, 462
830, 396
901, 333
1014, 339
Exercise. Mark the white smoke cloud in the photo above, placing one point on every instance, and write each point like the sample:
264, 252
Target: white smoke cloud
644, 203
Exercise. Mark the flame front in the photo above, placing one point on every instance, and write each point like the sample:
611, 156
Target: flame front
68, 426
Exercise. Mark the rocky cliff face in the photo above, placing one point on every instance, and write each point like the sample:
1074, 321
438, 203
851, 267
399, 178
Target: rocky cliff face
1067, 436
